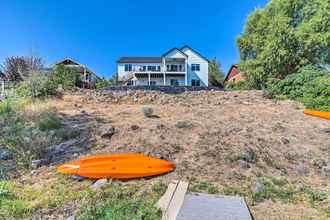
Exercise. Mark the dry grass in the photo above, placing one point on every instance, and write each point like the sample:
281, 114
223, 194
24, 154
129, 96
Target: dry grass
223, 126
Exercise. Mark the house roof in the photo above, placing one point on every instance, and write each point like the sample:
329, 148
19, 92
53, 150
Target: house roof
139, 60
174, 49
67, 61
231, 68
196, 52
157, 59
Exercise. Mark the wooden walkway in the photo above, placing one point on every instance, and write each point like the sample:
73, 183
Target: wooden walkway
176, 205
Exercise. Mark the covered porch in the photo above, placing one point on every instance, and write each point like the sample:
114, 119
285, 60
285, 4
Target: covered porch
160, 79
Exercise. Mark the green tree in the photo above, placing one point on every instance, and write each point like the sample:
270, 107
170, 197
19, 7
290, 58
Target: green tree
102, 83
283, 37
68, 78
216, 75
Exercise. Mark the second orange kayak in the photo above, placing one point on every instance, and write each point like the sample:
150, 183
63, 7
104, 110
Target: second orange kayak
325, 115
118, 166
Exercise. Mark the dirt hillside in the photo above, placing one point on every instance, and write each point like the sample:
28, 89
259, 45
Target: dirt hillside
233, 143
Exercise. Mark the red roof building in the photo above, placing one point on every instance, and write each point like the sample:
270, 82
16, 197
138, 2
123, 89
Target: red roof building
234, 74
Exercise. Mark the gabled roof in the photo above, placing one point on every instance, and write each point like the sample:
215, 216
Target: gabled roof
174, 49
139, 60
68, 60
231, 68
196, 52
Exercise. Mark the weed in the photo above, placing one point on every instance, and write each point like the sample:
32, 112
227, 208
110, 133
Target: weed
119, 202
204, 187
233, 191
49, 121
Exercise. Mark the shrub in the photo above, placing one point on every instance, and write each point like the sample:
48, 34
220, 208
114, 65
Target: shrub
40, 84
49, 121
147, 111
103, 83
240, 85
6, 107
310, 85
67, 78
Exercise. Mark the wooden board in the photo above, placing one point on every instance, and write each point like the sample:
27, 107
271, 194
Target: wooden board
171, 202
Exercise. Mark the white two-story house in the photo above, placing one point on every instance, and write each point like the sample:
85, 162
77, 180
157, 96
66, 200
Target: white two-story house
176, 67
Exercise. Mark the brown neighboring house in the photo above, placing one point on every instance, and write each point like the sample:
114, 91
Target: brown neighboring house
234, 74
89, 77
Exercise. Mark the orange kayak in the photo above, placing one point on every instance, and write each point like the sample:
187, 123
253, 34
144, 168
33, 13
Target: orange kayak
325, 115
118, 166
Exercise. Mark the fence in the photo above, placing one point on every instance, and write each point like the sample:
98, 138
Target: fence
165, 89
6, 88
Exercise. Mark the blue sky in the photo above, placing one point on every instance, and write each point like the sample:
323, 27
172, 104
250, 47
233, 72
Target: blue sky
96, 33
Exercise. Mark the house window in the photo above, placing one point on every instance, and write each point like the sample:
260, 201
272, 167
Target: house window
158, 68
195, 82
152, 83
174, 82
195, 67
180, 68
128, 67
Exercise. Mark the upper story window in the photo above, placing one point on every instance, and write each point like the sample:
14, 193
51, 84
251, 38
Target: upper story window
195, 67
128, 67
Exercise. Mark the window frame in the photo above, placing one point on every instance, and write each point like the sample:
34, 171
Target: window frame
195, 67
195, 82
128, 67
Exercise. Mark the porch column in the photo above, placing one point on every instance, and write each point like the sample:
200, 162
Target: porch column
186, 75
149, 79
164, 79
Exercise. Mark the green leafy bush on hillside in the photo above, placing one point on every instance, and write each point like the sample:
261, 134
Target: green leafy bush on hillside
310, 85
66, 77
240, 85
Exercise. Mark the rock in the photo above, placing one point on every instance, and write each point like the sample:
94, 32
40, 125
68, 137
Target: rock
303, 169
285, 140
249, 156
38, 163
135, 127
99, 183
78, 178
319, 163
5, 154
108, 133
326, 130
326, 171
183, 124
243, 164
257, 187
83, 112
147, 111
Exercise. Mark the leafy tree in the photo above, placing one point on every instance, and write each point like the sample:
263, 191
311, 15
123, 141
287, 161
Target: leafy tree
283, 37
68, 78
102, 83
18, 68
216, 75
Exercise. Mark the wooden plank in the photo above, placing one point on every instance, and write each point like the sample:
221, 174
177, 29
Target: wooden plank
165, 200
176, 201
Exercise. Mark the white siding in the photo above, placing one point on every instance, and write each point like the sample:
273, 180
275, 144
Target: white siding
203, 74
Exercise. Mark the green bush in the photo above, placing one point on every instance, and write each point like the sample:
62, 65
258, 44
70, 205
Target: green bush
310, 85
103, 83
67, 78
40, 84
49, 121
240, 85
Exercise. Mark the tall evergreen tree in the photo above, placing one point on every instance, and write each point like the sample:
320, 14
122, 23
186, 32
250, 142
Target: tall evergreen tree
216, 75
